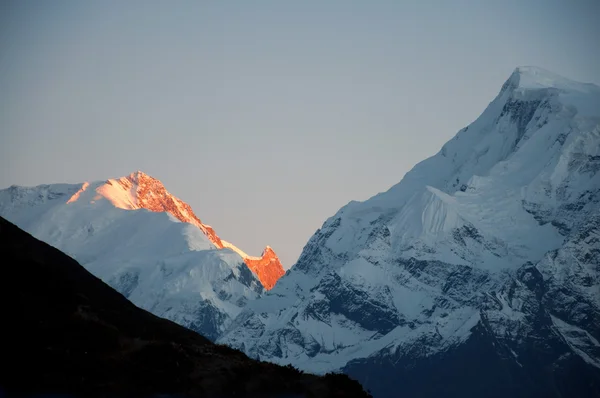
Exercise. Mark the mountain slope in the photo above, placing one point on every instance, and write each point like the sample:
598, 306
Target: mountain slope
144, 242
141, 191
66, 332
487, 248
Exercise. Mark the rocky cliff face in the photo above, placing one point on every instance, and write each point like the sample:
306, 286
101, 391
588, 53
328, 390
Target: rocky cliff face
267, 267
476, 275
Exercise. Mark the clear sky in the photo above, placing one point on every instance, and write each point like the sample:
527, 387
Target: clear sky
265, 116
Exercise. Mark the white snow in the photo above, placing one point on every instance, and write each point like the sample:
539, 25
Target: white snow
121, 196
534, 77
578, 339
166, 266
239, 251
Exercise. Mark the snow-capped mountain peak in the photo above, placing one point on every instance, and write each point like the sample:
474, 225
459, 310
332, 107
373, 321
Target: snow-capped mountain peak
534, 77
139, 190
147, 244
266, 267
477, 255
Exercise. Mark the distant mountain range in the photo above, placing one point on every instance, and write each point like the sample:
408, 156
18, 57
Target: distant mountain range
477, 275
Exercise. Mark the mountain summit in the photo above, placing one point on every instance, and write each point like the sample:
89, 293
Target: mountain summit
267, 267
141, 191
148, 245
534, 77
476, 275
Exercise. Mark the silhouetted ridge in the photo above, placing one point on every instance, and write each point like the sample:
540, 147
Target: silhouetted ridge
67, 332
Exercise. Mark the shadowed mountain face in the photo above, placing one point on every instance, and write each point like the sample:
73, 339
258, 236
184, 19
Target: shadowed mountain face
65, 331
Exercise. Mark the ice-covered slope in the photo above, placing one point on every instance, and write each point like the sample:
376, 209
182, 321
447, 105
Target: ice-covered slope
141, 191
486, 253
143, 241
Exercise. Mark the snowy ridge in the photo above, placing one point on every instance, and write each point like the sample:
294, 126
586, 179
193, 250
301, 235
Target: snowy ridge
141, 191
146, 243
459, 251
238, 250
267, 267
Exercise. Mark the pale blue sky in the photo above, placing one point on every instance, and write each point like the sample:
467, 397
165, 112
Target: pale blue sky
265, 116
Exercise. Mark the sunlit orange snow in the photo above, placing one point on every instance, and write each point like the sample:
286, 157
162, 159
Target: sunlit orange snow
141, 191
76, 194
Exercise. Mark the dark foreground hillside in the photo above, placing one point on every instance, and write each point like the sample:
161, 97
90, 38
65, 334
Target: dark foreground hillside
66, 332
